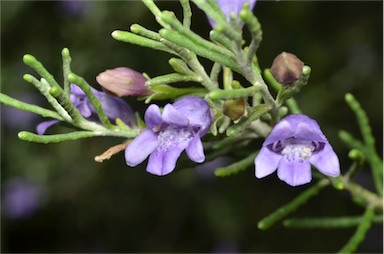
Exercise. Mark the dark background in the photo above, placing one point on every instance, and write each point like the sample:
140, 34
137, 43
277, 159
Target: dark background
86, 206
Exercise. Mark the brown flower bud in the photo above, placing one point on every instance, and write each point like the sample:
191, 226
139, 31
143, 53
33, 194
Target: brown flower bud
286, 68
234, 108
123, 81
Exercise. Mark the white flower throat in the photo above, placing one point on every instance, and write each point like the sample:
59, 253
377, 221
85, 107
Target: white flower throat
172, 136
295, 149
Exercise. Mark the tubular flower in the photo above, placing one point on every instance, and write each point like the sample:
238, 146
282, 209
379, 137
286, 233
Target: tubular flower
179, 126
293, 145
113, 107
231, 6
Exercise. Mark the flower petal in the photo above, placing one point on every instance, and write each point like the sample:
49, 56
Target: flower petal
152, 116
266, 162
281, 131
139, 149
310, 131
294, 172
326, 161
163, 162
84, 109
174, 116
196, 110
195, 150
43, 126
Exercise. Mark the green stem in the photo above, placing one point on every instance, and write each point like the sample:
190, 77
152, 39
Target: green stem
9, 101
44, 89
155, 11
254, 28
191, 59
220, 94
369, 140
171, 78
360, 233
170, 18
293, 106
185, 42
64, 101
66, 69
352, 142
212, 10
293, 205
214, 75
180, 66
140, 30
361, 194
57, 138
140, 40
187, 14
237, 166
221, 38
95, 102
328, 222
32, 62
256, 113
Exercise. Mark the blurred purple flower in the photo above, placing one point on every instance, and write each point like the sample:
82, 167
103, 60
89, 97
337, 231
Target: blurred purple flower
21, 198
113, 107
293, 145
231, 6
72, 9
180, 126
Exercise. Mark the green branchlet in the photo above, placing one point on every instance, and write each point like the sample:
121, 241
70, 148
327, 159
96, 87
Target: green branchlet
140, 41
361, 230
236, 167
254, 114
9, 101
79, 81
66, 69
292, 206
57, 138
288, 91
328, 222
44, 89
187, 13
254, 28
368, 148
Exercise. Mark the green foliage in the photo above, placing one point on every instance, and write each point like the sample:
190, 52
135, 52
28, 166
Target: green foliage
229, 53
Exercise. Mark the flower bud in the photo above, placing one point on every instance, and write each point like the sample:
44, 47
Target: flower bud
286, 68
234, 109
123, 81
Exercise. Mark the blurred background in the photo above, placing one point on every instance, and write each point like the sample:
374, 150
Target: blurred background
56, 198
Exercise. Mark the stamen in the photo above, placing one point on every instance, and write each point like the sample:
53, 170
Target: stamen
298, 152
173, 136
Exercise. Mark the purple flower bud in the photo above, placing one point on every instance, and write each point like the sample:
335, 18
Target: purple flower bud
293, 145
231, 6
114, 107
123, 81
179, 126
286, 68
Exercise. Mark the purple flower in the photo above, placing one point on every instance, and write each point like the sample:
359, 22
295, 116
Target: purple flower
231, 6
293, 145
21, 197
179, 126
113, 107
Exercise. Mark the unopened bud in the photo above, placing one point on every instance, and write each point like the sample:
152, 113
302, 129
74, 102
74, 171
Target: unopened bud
286, 68
234, 109
123, 81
